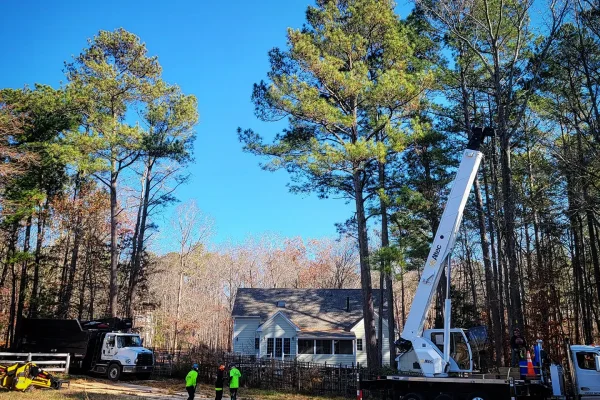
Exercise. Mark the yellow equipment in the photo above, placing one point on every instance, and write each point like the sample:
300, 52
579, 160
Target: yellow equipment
22, 376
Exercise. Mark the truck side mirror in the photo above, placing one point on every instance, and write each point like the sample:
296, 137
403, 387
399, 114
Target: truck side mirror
597, 358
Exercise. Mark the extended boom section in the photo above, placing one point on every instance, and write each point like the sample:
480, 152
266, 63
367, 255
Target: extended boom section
428, 355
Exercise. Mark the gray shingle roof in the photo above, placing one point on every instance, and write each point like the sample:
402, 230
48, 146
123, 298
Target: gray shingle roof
318, 310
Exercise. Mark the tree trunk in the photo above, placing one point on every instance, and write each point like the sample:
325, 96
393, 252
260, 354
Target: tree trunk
490, 286
137, 264
593, 248
65, 303
179, 290
114, 250
509, 232
389, 283
365, 272
542, 275
23, 283
35, 290
13, 301
584, 298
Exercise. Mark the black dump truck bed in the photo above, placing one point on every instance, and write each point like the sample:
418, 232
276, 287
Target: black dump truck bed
65, 335
53, 336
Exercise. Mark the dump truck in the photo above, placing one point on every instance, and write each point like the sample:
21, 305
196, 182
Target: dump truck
437, 364
104, 346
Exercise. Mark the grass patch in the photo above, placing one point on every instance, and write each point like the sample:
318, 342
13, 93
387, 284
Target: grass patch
38, 394
172, 386
166, 386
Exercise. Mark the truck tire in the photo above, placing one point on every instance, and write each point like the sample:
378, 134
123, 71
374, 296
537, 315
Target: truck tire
477, 396
114, 372
413, 396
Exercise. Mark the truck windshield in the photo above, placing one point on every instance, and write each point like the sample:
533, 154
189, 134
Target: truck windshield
129, 341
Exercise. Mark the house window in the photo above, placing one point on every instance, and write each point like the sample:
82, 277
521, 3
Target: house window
278, 347
343, 347
323, 346
306, 346
287, 345
585, 360
359, 344
256, 343
270, 343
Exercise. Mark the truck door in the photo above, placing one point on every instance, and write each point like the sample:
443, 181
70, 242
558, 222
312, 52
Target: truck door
109, 347
460, 351
588, 378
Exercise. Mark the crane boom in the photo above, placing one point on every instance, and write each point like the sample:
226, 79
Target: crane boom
430, 358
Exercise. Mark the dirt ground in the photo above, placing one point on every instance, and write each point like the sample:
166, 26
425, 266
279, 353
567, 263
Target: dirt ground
85, 388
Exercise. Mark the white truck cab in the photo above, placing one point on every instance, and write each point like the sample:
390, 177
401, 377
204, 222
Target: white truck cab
124, 353
461, 355
586, 370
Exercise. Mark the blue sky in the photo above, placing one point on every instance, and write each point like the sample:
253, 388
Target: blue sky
215, 50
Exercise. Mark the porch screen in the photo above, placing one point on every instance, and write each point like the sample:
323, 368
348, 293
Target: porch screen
306, 346
343, 346
323, 346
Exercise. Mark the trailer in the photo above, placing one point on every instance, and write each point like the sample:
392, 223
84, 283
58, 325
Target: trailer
105, 346
438, 364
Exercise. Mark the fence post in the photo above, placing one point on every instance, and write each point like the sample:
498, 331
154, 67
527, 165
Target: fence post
359, 394
68, 364
28, 357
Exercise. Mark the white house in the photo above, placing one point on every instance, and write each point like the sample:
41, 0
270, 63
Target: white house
316, 325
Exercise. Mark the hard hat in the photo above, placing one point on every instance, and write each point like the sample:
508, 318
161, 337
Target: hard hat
221, 367
195, 366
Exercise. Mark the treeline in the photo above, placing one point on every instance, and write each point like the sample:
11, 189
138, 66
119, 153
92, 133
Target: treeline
85, 169
379, 111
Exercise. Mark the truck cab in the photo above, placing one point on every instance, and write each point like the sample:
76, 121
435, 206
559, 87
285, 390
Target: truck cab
461, 355
586, 370
124, 353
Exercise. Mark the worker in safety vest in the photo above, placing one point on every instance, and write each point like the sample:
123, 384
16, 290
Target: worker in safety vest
219, 383
190, 381
234, 381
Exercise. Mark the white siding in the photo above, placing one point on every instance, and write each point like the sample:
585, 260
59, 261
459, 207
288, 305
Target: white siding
278, 327
359, 331
336, 359
244, 332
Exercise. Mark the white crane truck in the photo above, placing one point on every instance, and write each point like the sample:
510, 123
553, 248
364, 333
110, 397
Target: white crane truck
437, 364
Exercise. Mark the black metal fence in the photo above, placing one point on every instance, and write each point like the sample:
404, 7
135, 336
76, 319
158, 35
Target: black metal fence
271, 374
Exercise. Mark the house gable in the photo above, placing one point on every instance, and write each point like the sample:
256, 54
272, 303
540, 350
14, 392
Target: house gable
278, 336
280, 319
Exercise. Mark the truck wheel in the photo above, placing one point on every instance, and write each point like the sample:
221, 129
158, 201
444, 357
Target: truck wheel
477, 396
413, 396
114, 372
